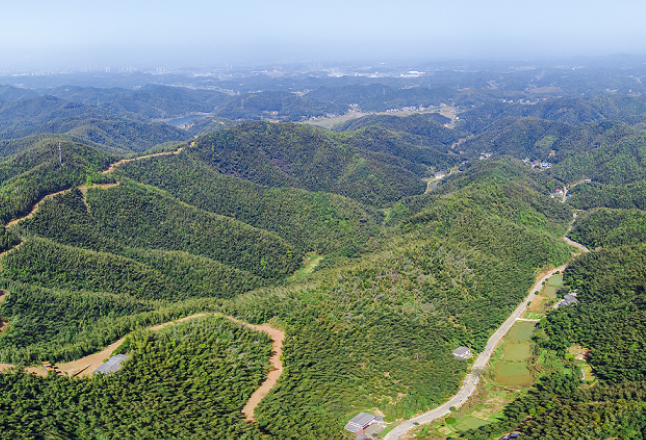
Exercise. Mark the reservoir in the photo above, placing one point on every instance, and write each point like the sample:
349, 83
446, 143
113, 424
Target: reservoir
185, 119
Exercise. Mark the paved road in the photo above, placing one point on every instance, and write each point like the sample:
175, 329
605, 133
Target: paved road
574, 243
471, 380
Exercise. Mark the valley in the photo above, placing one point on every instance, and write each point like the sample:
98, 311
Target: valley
272, 280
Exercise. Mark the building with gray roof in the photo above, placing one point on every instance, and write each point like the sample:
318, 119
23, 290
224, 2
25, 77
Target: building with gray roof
112, 365
361, 421
462, 352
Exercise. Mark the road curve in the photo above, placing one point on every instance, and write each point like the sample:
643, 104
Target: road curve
574, 243
471, 380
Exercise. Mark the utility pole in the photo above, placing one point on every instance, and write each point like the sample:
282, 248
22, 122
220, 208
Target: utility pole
60, 155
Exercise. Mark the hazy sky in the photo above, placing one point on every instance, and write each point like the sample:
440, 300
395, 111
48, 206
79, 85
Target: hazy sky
192, 32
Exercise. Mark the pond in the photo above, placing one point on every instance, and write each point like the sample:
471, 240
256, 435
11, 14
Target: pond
556, 280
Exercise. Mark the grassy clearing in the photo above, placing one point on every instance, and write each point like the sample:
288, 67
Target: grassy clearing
310, 262
550, 292
470, 423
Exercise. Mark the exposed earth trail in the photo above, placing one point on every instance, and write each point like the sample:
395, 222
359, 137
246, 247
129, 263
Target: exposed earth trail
35, 208
84, 188
134, 159
86, 366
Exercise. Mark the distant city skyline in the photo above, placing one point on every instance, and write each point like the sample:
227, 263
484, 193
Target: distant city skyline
146, 33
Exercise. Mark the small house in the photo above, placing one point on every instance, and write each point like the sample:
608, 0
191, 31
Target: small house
462, 353
440, 175
568, 300
112, 365
361, 421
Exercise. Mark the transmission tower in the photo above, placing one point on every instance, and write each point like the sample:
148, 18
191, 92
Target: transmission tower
60, 155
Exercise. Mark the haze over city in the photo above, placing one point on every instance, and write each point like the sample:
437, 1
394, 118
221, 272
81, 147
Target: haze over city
39, 33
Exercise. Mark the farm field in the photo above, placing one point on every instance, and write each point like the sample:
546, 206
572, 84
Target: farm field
515, 366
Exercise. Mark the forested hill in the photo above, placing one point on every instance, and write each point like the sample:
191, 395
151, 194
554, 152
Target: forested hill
544, 140
149, 102
29, 176
114, 135
377, 97
31, 112
305, 157
419, 125
276, 105
569, 110
388, 276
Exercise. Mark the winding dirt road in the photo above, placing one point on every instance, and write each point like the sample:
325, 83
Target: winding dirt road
86, 366
35, 208
122, 161
574, 243
83, 188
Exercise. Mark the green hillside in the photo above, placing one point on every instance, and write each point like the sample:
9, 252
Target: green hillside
313, 222
305, 157
276, 105
595, 195
579, 110
115, 135
131, 215
29, 176
195, 360
544, 140
392, 279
